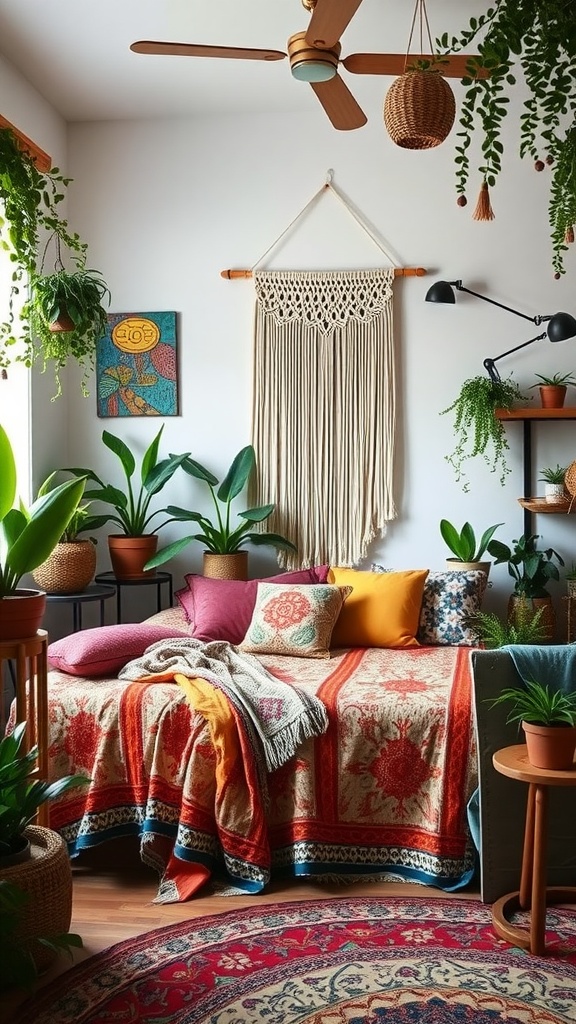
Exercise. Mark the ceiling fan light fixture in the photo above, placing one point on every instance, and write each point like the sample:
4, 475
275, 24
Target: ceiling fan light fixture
308, 64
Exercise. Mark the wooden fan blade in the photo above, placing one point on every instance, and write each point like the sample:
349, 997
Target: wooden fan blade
328, 21
339, 104
397, 63
194, 50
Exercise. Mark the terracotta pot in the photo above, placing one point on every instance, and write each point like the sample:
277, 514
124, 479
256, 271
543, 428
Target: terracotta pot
226, 567
550, 746
63, 323
130, 554
46, 877
519, 606
69, 569
552, 396
21, 614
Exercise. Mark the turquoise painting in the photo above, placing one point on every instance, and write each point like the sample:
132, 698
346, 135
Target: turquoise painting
137, 365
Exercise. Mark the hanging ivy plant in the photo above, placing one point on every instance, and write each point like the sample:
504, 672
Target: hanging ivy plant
31, 223
478, 431
538, 39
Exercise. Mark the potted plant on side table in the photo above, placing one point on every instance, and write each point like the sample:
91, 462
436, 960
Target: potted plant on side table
27, 537
225, 556
548, 718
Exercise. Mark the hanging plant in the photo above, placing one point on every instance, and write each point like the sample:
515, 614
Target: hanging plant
538, 39
30, 200
477, 429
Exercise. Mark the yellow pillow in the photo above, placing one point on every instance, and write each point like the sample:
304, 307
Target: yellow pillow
383, 609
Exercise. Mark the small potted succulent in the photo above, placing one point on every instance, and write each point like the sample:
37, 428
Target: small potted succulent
548, 717
553, 389
553, 479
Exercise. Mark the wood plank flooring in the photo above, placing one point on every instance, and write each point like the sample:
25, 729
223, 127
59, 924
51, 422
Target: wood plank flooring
113, 893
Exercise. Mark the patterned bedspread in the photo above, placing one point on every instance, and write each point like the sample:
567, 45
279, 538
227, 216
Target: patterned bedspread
383, 792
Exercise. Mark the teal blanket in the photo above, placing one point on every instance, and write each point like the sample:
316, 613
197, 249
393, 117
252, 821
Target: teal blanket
553, 665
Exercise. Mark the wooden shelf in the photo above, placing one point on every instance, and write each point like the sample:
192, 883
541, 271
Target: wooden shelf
567, 413
540, 505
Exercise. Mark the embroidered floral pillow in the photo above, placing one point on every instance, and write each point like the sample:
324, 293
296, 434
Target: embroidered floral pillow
295, 619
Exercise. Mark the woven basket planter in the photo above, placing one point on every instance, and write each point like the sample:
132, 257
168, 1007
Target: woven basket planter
419, 110
69, 569
47, 879
226, 567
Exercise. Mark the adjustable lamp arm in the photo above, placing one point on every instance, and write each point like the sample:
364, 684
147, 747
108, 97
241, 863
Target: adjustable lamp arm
489, 363
534, 319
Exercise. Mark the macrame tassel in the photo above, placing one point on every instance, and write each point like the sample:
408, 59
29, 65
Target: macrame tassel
3, 375
483, 209
569, 236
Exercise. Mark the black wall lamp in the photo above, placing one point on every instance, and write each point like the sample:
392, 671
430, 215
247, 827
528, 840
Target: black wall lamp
561, 326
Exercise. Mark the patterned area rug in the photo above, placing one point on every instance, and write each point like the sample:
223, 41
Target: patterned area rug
337, 961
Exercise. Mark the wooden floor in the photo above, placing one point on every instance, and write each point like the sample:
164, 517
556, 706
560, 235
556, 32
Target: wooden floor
113, 893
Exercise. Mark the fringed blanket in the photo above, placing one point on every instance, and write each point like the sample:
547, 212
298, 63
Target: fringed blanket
381, 793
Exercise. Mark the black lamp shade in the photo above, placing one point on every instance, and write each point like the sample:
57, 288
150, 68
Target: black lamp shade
561, 326
441, 291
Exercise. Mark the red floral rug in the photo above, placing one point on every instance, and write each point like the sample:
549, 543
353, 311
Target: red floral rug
337, 961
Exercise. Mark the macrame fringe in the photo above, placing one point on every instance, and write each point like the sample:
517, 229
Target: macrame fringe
483, 209
569, 236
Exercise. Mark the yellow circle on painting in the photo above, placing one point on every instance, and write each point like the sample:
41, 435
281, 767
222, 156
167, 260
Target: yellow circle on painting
135, 334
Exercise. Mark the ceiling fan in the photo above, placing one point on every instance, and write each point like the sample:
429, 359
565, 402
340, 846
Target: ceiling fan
314, 58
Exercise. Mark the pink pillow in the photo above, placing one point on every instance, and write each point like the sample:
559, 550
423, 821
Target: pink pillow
106, 649
222, 609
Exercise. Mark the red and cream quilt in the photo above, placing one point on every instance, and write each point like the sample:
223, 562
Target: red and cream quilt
383, 792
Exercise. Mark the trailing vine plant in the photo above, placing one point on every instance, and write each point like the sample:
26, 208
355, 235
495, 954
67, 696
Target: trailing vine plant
538, 39
478, 431
31, 221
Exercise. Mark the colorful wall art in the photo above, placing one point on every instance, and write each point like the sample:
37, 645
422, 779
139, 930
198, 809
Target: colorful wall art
137, 366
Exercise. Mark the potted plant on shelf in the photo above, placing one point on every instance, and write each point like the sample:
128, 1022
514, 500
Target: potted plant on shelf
522, 47
27, 537
225, 556
548, 718
532, 569
70, 567
553, 389
478, 430
30, 201
132, 548
553, 479
468, 553
33, 859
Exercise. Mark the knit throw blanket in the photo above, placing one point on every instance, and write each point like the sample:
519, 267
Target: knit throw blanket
280, 715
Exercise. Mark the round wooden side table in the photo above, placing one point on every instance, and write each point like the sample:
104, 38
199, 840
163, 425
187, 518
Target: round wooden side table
29, 656
534, 895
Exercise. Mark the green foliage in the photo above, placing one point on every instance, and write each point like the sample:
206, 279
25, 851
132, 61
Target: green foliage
557, 380
463, 544
553, 474
531, 568
21, 793
570, 573
477, 429
80, 294
28, 536
535, 702
18, 967
219, 536
536, 41
132, 505
81, 521
493, 632
30, 201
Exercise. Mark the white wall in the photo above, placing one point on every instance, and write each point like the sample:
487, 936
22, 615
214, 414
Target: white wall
165, 206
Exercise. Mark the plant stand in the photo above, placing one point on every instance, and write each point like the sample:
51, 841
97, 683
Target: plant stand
29, 659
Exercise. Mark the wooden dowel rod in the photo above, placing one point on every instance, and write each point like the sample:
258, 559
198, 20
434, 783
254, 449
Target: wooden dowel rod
398, 272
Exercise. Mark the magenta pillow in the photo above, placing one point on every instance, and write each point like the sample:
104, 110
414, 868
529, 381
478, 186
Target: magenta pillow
222, 609
106, 649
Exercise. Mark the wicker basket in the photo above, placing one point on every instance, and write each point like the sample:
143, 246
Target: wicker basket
68, 569
419, 110
226, 567
570, 479
47, 879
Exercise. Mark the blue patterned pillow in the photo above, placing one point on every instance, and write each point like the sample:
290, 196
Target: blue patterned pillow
449, 598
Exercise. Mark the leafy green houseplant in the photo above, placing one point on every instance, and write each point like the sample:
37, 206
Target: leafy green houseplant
70, 567
530, 567
28, 536
477, 429
493, 632
463, 543
553, 474
548, 717
19, 968
529, 48
30, 200
220, 536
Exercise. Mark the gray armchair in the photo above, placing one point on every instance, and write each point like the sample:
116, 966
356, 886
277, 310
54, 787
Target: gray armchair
502, 800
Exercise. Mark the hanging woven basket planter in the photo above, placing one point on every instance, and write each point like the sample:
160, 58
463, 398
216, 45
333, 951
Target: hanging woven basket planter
419, 109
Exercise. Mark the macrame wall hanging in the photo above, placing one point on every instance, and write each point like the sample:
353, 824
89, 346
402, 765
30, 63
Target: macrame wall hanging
323, 421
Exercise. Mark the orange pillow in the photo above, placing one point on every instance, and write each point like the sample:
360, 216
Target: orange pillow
383, 609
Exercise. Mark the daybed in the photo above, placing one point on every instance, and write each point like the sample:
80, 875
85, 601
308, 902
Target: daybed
382, 792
